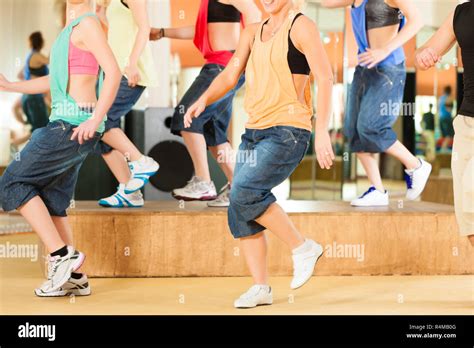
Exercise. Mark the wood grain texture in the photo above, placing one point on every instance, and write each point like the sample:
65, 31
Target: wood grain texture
162, 240
439, 190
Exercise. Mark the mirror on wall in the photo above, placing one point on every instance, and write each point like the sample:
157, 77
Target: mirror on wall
309, 182
436, 105
419, 129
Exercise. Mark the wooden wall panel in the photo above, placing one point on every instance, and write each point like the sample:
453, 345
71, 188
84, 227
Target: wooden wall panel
415, 239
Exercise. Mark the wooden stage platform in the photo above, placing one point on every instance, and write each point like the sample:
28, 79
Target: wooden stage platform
164, 239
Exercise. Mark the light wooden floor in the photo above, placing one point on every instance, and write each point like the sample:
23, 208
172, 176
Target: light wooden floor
322, 295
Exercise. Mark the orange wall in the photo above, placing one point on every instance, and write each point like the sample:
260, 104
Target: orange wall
183, 13
425, 81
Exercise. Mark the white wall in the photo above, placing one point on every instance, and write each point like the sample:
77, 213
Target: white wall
159, 13
18, 19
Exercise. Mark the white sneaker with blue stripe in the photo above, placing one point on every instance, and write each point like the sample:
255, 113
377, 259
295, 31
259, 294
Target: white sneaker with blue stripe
371, 198
120, 199
416, 179
142, 170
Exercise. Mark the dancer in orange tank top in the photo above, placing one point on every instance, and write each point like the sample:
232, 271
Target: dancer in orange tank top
277, 56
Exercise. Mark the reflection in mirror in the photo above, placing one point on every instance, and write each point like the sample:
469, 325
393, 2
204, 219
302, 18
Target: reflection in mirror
309, 182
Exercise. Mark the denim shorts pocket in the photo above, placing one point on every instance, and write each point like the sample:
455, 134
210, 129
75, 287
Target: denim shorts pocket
89, 146
388, 80
289, 137
49, 137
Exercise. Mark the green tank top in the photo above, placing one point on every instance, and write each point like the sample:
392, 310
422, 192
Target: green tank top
63, 106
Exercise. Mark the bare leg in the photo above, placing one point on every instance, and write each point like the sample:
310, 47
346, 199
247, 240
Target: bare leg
278, 222
255, 247
255, 252
372, 170
223, 155
64, 229
37, 215
400, 152
196, 145
117, 164
117, 139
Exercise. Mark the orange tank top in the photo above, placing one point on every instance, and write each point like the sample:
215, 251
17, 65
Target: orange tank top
270, 94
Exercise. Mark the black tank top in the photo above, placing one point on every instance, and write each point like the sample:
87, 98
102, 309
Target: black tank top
218, 12
464, 31
296, 59
378, 14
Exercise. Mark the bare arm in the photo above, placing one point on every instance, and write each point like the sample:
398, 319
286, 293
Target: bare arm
440, 43
249, 10
93, 37
182, 33
226, 79
306, 35
231, 74
415, 22
337, 3
95, 40
140, 15
35, 86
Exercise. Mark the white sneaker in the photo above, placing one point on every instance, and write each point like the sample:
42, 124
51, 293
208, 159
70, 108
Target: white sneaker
304, 263
142, 170
196, 190
257, 295
222, 199
76, 287
120, 199
416, 180
371, 198
61, 268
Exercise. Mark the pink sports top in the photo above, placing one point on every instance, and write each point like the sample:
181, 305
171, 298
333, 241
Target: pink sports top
82, 62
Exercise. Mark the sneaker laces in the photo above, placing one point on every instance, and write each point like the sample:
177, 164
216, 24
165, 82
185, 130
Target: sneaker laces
192, 183
51, 263
250, 292
371, 189
50, 268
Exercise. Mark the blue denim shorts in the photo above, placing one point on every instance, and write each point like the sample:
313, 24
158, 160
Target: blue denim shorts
214, 121
126, 98
48, 167
265, 159
373, 105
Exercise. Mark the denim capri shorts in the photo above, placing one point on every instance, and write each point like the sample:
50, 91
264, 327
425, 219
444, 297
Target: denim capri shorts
265, 159
373, 105
48, 167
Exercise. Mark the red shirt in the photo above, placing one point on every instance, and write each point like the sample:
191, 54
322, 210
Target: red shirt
201, 39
